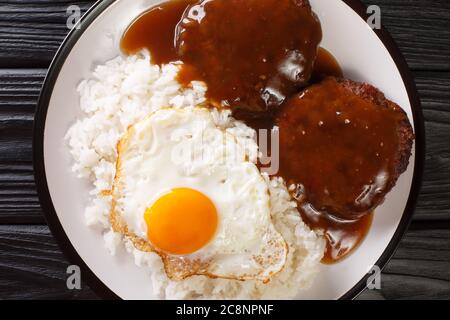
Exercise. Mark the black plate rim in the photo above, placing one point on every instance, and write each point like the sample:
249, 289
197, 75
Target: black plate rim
41, 181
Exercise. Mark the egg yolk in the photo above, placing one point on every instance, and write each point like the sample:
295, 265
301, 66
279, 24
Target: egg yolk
181, 222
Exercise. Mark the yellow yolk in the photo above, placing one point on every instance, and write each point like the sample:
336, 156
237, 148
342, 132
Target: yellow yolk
181, 222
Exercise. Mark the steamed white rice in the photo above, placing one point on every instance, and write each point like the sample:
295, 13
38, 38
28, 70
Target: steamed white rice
122, 92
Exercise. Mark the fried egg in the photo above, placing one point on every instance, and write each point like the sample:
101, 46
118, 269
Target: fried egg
184, 189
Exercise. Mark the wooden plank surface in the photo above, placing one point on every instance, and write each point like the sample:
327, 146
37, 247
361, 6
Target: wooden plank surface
31, 31
33, 267
31, 264
421, 29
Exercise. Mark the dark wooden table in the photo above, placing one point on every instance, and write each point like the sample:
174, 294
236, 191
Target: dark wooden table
33, 267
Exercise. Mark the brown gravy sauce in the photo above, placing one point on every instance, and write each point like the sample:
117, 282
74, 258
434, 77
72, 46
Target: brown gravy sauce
346, 163
325, 65
233, 80
216, 40
155, 30
342, 237
242, 51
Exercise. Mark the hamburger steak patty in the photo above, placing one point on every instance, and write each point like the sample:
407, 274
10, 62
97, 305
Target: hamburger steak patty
344, 146
405, 131
252, 54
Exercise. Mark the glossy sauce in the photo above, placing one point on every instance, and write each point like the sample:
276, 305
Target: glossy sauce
338, 149
325, 65
155, 30
342, 236
251, 61
245, 51
253, 54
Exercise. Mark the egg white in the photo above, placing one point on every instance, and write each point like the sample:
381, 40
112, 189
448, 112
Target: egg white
185, 149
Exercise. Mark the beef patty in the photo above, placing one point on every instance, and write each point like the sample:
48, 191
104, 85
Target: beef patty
343, 145
252, 54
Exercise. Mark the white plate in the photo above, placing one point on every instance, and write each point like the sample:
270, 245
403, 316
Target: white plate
365, 55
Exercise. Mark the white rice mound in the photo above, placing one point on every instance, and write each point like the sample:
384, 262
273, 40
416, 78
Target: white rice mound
122, 92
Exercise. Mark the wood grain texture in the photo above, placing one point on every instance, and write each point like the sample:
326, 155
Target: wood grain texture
420, 267
19, 91
32, 267
31, 31
421, 29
